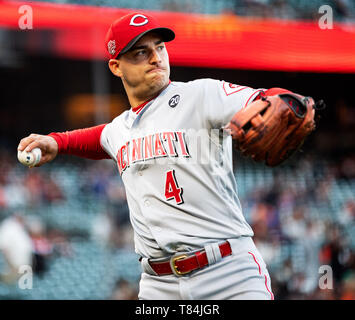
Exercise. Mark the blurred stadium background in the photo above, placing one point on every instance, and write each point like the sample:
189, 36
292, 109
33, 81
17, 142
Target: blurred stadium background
69, 219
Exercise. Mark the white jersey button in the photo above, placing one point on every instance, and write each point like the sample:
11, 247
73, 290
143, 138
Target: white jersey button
147, 203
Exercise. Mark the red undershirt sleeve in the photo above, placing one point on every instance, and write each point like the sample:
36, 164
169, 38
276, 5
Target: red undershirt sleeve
83, 143
272, 92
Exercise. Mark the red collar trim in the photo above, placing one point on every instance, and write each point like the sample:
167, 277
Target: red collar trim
139, 108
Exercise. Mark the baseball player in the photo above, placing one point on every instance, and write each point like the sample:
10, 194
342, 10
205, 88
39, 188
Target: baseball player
175, 160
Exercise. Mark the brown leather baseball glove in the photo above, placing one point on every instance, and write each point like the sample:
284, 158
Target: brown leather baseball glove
273, 128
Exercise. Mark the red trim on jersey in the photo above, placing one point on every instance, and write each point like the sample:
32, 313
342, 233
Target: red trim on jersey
139, 108
83, 143
251, 96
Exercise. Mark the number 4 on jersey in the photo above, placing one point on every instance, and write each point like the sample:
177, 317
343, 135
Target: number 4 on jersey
172, 190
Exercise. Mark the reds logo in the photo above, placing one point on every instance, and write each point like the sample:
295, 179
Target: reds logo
138, 24
111, 46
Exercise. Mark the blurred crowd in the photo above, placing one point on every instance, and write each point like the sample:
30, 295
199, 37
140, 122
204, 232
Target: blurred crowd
294, 241
343, 10
288, 219
28, 238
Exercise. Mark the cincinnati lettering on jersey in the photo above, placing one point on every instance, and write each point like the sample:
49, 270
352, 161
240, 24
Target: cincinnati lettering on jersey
157, 145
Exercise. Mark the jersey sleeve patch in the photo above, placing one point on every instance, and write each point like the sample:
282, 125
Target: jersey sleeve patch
230, 88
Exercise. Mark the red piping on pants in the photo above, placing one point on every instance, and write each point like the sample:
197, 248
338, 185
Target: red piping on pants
267, 288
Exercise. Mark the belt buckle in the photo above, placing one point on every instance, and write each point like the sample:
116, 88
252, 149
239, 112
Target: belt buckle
173, 266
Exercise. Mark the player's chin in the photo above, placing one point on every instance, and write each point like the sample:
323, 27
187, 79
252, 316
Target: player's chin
158, 80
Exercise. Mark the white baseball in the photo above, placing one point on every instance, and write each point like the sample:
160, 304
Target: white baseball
31, 158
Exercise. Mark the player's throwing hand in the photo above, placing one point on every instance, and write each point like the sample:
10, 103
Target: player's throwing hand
47, 144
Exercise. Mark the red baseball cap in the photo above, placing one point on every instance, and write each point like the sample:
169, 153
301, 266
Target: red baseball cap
127, 30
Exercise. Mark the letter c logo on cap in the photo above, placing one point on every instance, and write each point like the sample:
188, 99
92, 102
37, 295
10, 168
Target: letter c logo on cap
132, 23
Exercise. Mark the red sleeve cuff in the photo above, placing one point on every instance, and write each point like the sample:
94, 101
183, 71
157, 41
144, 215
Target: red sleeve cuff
58, 137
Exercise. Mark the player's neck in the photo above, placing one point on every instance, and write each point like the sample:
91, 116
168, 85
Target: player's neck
138, 102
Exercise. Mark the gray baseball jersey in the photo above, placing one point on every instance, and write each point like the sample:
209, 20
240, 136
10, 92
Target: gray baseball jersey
175, 160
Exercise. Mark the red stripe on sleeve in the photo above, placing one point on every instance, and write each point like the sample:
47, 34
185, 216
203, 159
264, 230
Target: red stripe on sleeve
83, 143
271, 92
275, 91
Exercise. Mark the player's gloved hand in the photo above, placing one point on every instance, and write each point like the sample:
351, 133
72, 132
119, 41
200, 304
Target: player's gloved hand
47, 144
273, 128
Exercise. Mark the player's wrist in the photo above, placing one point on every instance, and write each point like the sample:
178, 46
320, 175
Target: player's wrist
56, 143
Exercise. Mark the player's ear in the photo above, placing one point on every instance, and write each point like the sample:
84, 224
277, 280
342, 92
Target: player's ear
114, 65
